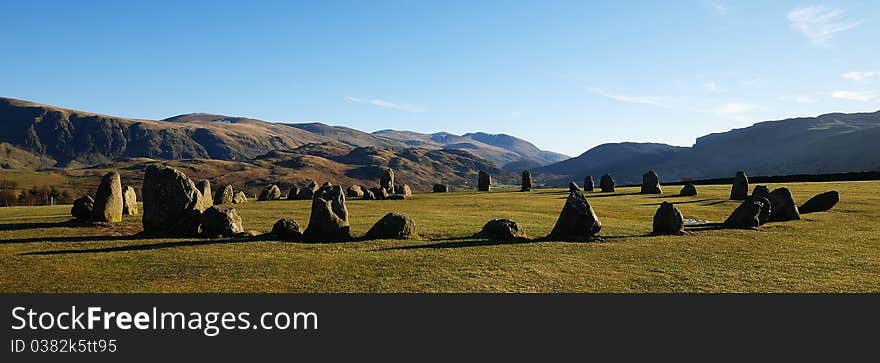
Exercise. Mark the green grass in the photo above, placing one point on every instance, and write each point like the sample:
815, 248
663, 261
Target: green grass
833, 251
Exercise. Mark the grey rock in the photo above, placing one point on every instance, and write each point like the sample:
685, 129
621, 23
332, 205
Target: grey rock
526, 181
270, 192
220, 221
287, 229
606, 183
171, 202
668, 220
82, 209
820, 202
589, 184
328, 221
484, 181
108, 199
740, 188
502, 229
393, 226
129, 201
440, 188
224, 195
240, 198
783, 207
688, 190
204, 187
577, 221
650, 183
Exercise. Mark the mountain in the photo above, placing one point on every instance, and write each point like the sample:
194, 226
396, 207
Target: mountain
42, 136
830, 143
509, 152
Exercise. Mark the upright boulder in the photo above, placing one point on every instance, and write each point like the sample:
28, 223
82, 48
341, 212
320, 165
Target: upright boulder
688, 190
82, 209
129, 201
572, 186
287, 229
403, 189
204, 187
820, 202
369, 195
650, 183
220, 221
379, 193
308, 192
240, 197
766, 208
108, 199
746, 215
270, 192
292, 192
393, 226
668, 220
354, 191
224, 195
526, 181
171, 202
761, 191
577, 221
328, 221
589, 184
387, 181
783, 207
502, 229
740, 188
440, 188
606, 183
484, 181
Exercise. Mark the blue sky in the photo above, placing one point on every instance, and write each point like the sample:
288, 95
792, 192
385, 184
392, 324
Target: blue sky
565, 75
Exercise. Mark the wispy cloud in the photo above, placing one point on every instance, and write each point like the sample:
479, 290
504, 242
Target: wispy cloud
711, 87
819, 24
858, 76
861, 96
385, 104
734, 107
720, 7
644, 100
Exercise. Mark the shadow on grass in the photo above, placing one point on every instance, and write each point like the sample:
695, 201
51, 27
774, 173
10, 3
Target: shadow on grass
143, 247
704, 227
723, 201
688, 202
35, 225
482, 242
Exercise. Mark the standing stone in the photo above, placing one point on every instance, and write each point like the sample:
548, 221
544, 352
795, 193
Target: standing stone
205, 188
129, 202
240, 198
393, 226
328, 221
651, 183
484, 181
766, 208
308, 192
688, 190
287, 229
746, 215
782, 206
606, 183
668, 220
224, 195
589, 183
761, 191
108, 199
387, 181
354, 191
293, 192
440, 188
270, 192
572, 186
369, 195
403, 190
577, 221
220, 221
820, 202
526, 181
502, 229
171, 202
82, 209
740, 188
379, 193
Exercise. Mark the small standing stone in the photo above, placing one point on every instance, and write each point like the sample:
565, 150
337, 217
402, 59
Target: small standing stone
740, 188
526, 181
240, 198
688, 190
204, 187
606, 183
484, 182
129, 202
224, 195
270, 192
668, 220
577, 221
82, 209
651, 183
440, 188
589, 183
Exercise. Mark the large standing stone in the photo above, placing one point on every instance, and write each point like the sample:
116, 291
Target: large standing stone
589, 184
354, 191
292, 192
171, 202
403, 189
783, 207
820, 202
387, 181
484, 181
761, 191
108, 199
746, 215
572, 186
440, 188
502, 229
220, 221
526, 181
308, 192
606, 183
577, 221
129, 201
287, 229
740, 188
650, 183
270, 192
393, 226
688, 190
82, 209
240, 198
224, 195
668, 220
329, 218
204, 187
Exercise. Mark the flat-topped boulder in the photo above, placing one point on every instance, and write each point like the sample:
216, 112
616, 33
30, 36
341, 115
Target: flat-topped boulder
761, 191
403, 189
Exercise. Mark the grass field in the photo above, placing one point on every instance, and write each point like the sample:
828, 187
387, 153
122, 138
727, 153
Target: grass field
836, 251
